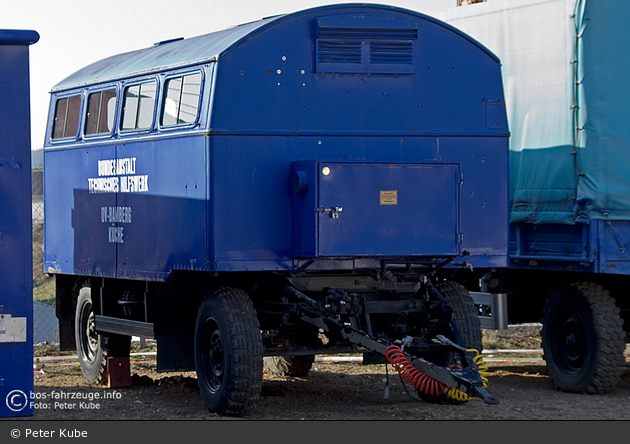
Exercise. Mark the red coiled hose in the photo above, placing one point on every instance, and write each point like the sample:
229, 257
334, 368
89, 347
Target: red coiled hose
412, 375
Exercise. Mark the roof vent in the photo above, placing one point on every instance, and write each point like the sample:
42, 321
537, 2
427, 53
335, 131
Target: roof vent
365, 44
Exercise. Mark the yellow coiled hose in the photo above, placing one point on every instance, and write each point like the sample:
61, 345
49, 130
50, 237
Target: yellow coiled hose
460, 396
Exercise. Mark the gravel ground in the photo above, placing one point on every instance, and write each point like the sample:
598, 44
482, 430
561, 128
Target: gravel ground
331, 391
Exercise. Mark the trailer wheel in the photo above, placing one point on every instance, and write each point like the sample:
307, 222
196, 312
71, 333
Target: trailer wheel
93, 348
228, 352
466, 319
465, 314
583, 339
297, 366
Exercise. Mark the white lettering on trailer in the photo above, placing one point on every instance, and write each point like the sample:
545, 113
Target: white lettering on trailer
134, 184
113, 215
116, 235
117, 167
118, 176
103, 185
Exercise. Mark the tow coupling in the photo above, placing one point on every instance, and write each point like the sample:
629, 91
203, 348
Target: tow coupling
459, 382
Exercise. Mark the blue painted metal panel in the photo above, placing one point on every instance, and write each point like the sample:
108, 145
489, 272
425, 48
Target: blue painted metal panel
265, 107
255, 209
264, 86
304, 205
388, 209
16, 260
74, 194
161, 209
610, 240
155, 223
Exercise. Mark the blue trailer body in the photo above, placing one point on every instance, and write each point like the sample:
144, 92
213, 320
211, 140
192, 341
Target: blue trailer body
16, 295
565, 69
336, 151
222, 183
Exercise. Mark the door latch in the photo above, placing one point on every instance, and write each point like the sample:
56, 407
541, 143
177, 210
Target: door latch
334, 211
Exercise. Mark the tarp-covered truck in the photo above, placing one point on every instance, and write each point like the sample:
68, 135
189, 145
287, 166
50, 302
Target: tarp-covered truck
565, 74
276, 190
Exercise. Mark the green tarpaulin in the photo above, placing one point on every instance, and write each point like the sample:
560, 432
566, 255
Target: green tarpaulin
566, 73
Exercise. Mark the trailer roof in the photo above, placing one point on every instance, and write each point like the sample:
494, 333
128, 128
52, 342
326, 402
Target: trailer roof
162, 55
205, 48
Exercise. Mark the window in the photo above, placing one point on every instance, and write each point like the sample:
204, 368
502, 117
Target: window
182, 100
138, 106
67, 113
101, 108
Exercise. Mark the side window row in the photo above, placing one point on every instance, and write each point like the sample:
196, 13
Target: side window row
180, 107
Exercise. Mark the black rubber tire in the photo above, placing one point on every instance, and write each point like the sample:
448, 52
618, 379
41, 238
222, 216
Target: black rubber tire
583, 339
228, 352
465, 314
297, 366
93, 348
92, 357
466, 320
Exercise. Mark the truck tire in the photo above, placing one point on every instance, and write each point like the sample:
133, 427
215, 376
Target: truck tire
466, 319
228, 352
297, 366
93, 348
465, 314
583, 339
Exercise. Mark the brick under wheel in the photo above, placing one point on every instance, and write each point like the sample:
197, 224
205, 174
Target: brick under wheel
583, 339
228, 352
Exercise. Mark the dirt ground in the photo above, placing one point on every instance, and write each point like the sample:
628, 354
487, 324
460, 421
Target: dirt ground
331, 391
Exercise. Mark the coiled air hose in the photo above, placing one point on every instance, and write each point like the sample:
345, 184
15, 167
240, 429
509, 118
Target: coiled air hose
426, 384
412, 375
460, 396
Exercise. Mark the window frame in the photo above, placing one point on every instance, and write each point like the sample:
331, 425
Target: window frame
84, 114
156, 102
164, 96
57, 99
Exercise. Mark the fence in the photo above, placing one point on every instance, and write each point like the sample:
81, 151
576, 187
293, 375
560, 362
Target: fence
45, 326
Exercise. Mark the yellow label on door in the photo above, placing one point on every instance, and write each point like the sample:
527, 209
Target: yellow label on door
389, 197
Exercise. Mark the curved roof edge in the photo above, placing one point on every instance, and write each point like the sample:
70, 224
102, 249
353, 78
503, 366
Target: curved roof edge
206, 48
161, 56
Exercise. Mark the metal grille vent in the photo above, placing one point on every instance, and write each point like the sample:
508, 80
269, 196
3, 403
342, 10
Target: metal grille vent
391, 53
363, 50
332, 51
367, 34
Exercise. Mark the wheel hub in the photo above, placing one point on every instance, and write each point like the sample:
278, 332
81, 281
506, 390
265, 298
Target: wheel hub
216, 354
213, 357
572, 342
